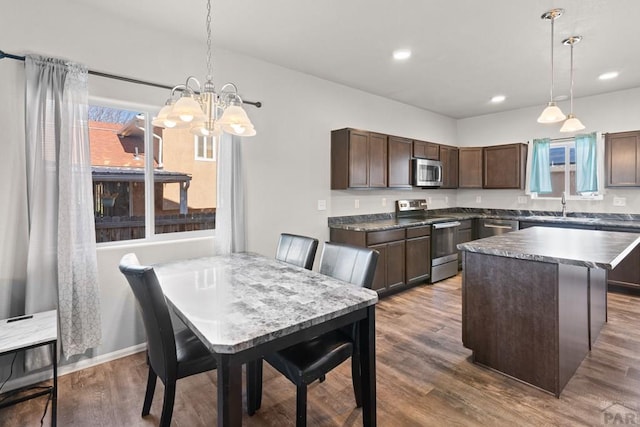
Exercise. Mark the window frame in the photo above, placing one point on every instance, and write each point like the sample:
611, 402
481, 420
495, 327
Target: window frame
568, 144
149, 231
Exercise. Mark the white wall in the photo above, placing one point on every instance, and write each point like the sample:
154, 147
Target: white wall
287, 165
612, 112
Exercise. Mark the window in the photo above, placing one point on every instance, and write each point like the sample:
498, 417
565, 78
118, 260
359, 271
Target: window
138, 168
205, 148
562, 166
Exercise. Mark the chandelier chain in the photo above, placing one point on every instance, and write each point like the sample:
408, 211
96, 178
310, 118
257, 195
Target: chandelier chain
209, 66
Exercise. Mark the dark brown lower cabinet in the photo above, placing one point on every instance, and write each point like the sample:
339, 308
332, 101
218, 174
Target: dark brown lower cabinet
464, 233
391, 263
418, 254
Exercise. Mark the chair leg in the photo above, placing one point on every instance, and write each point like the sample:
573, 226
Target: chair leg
301, 406
151, 388
322, 378
356, 378
167, 404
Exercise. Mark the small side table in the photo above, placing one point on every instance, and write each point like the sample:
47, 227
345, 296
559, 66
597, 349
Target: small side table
29, 331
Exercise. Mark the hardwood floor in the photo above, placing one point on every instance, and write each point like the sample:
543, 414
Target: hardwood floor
424, 378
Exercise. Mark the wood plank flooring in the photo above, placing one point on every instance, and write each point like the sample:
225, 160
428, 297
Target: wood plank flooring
425, 378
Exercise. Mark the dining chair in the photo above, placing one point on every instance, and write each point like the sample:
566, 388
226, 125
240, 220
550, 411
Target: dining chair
170, 355
297, 250
310, 360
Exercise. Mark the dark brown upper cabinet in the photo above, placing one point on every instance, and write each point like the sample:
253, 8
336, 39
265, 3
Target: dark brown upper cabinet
622, 159
470, 167
449, 159
504, 166
399, 162
426, 150
358, 159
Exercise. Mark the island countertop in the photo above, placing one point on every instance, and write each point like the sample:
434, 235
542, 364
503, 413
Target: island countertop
588, 248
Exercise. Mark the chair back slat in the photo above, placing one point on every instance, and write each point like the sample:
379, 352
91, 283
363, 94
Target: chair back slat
297, 250
353, 264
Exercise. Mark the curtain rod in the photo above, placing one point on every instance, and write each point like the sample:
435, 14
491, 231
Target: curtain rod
3, 55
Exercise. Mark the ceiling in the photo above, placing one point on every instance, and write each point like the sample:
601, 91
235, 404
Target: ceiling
464, 51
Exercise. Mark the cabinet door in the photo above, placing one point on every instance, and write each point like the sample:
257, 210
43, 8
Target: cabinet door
418, 259
399, 162
622, 154
449, 159
426, 150
470, 167
504, 166
377, 160
463, 235
380, 277
395, 263
358, 159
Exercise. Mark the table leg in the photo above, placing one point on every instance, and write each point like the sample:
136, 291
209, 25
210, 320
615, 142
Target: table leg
368, 367
254, 386
229, 392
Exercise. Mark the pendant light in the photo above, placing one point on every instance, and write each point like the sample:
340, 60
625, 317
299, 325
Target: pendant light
203, 110
552, 113
572, 124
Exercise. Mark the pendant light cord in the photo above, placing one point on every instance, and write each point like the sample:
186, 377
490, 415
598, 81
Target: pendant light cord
571, 85
552, 22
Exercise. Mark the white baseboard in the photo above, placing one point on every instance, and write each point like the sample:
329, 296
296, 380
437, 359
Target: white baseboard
30, 379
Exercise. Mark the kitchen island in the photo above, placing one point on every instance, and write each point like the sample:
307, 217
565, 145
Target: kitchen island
535, 300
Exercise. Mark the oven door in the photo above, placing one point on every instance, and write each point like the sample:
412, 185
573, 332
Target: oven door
443, 236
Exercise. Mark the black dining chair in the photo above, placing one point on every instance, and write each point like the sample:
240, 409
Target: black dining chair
297, 250
170, 355
308, 361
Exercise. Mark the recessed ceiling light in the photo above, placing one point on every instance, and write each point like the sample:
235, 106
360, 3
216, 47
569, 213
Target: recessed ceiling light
498, 99
608, 76
401, 54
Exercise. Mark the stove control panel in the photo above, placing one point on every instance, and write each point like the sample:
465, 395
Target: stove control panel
411, 205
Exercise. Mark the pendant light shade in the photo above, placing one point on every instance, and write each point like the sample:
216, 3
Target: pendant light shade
572, 124
552, 113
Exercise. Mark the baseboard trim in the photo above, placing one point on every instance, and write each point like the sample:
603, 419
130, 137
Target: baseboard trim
31, 379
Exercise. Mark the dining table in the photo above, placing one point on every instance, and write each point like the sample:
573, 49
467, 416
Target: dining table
243, 306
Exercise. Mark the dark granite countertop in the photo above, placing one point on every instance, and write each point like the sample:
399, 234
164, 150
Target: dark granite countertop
388, 221
587, 248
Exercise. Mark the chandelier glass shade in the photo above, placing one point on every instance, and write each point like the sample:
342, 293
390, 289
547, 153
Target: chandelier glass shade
201, 109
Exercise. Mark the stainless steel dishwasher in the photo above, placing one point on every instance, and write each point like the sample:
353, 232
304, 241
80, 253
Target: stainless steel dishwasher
493, 227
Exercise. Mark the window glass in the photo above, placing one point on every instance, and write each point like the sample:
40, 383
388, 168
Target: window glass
184, 190
562, 159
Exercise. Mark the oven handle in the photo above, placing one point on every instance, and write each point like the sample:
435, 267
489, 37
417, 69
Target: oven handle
446, 224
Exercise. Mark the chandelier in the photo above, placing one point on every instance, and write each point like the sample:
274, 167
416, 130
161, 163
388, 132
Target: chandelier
201, 109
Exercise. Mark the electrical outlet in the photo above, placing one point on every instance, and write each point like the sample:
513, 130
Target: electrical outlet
478, 199
446, 200
322, 205
428, 200
384, 202
619, 201
522, 200
357, 204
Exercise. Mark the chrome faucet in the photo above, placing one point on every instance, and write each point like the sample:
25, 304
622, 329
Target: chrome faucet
564, 204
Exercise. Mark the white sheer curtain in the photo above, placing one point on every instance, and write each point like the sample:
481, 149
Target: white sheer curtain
230, 220
62, 267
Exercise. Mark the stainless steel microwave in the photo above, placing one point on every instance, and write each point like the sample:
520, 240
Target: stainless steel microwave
427, 173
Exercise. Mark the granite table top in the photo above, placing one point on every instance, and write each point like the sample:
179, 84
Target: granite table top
237, 301
587, 248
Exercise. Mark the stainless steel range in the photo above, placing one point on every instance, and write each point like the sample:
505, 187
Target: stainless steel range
444, 255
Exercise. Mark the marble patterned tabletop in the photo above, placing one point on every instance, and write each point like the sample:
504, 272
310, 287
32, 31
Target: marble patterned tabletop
588, 248
22, 333
234, 302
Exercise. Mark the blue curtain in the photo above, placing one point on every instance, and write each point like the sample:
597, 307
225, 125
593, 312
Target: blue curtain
586, 166
540, 170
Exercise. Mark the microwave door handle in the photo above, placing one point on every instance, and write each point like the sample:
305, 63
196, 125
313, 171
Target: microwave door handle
439, 168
